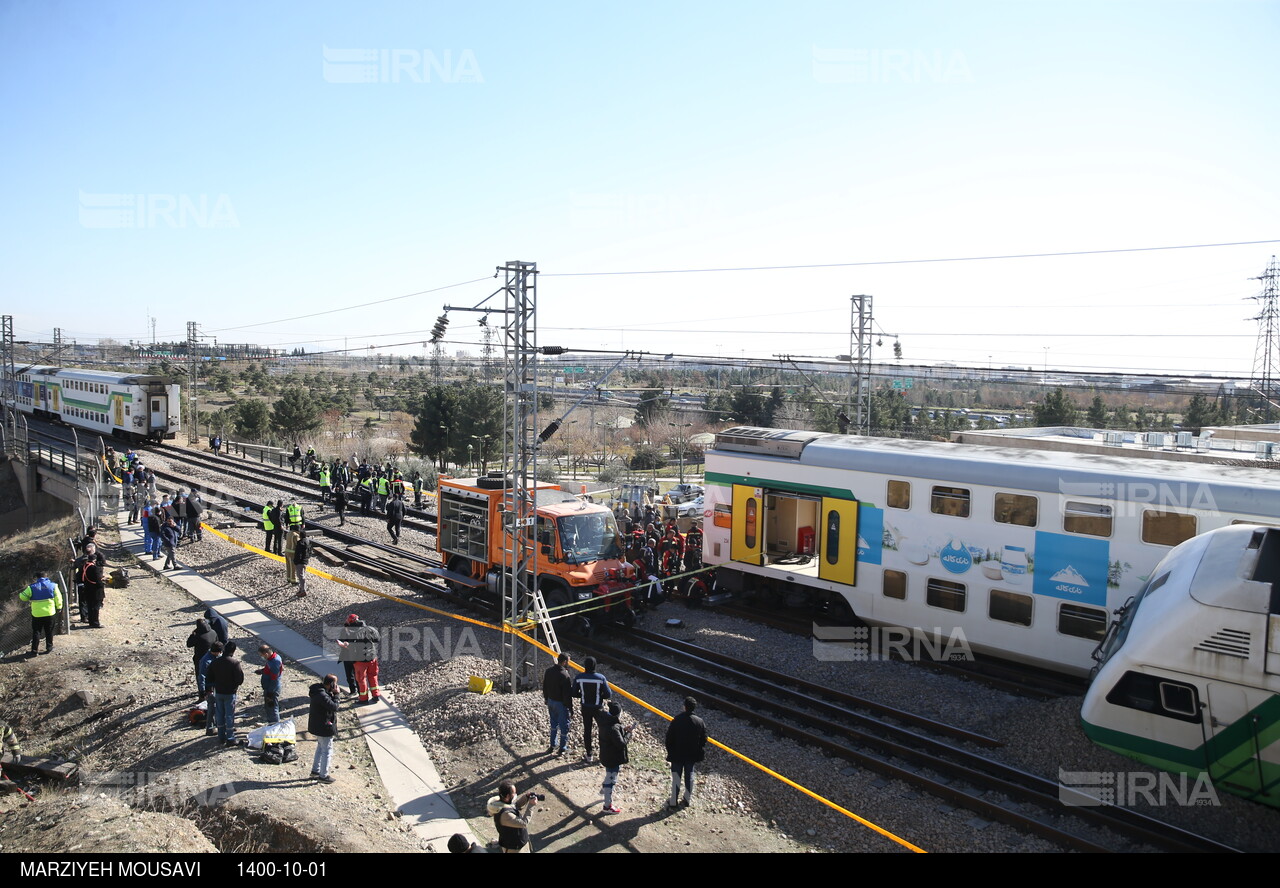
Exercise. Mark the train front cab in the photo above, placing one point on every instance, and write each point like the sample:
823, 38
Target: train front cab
1183, 716
809, 534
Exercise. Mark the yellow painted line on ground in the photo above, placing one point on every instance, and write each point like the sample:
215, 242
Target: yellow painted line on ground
542, 647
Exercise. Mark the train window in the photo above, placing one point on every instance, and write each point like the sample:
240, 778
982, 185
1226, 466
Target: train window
126, 409
1009, 607
895, 584
1167, 528
1016, 508
1093, 519
1082, 622
899, 495
950, 501
1154, 695
945, 594
1178, 698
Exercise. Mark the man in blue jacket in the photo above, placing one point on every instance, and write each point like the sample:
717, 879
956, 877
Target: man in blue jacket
45, 599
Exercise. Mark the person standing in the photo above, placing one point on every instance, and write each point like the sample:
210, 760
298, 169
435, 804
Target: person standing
272, 670
340, 503
613, 750
295, 458
180, 514
277, 520
322, 723
93, 591
200, 641
363, 641
202, 675
218, 624
301, 555
195, 510
592, 690
227, 675
686, 747
169, 540
216, 444
366, 496
511, 817
290, 547
46, 600
268, 527
395, 517
151, 529
326, 484
557, 691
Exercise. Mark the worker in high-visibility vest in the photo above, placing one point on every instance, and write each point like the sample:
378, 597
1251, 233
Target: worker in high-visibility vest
267, 525
366, 495
294, 513
384, 489
324, 484
45, 599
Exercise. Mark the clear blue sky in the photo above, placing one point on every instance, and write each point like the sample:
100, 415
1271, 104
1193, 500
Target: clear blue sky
605, 138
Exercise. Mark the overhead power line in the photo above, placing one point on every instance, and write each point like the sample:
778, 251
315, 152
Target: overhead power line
907, 261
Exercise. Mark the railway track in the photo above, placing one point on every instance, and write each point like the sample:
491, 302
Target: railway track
923, 753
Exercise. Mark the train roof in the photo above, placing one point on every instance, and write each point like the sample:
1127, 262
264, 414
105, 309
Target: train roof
1233, 488
106, 376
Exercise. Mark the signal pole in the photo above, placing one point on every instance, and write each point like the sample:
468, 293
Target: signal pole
193, 383
1265, 382
860, 360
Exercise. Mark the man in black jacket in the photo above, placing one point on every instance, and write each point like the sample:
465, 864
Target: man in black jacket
340, 503
686, 746
200, 641
395, 516
322, 723
557, 691
226, 675
613, 750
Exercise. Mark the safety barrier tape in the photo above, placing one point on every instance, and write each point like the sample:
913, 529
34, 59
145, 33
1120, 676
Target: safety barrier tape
542, 647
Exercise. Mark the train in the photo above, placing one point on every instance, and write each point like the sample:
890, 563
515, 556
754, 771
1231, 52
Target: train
1020, 554
1188, 679
133, 406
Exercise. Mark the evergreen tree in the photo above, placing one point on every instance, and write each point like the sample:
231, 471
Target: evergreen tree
1097, 415
295, 412
651, 404
1056, 410
251, 419
1200, 413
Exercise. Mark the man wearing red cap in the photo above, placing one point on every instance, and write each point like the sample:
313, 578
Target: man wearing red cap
360, 646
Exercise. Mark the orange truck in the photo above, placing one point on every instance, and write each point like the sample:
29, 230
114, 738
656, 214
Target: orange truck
574, 548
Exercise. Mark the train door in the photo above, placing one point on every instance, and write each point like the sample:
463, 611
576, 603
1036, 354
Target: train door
746, 542
838, 541
1233, 744
159, 412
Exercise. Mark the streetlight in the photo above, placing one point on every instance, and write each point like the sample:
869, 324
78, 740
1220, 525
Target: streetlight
484, 460
469, 459
680, 440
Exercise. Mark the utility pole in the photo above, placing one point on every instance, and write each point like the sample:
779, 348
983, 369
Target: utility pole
10, 382
193, 382
519, 463
1265, 381
860, 363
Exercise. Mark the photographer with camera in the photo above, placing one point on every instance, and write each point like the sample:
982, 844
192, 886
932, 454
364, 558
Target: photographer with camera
511, 817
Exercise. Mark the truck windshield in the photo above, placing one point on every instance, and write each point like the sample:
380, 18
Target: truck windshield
591, 537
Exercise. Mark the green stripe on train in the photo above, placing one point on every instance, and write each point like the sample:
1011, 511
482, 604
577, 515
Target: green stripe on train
1232, 756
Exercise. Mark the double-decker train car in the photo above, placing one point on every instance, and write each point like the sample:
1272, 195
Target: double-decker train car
1189, 678
1023, 554
133, 406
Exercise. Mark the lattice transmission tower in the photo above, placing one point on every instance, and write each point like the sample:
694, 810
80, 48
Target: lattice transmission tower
1264, 385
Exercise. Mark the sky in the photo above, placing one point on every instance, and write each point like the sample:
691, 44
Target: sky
262, 169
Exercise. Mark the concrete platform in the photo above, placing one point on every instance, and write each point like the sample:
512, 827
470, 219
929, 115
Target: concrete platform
407, 771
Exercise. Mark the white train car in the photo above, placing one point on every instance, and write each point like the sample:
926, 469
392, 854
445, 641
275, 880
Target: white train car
134, 406
1190, 675
1026, 553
